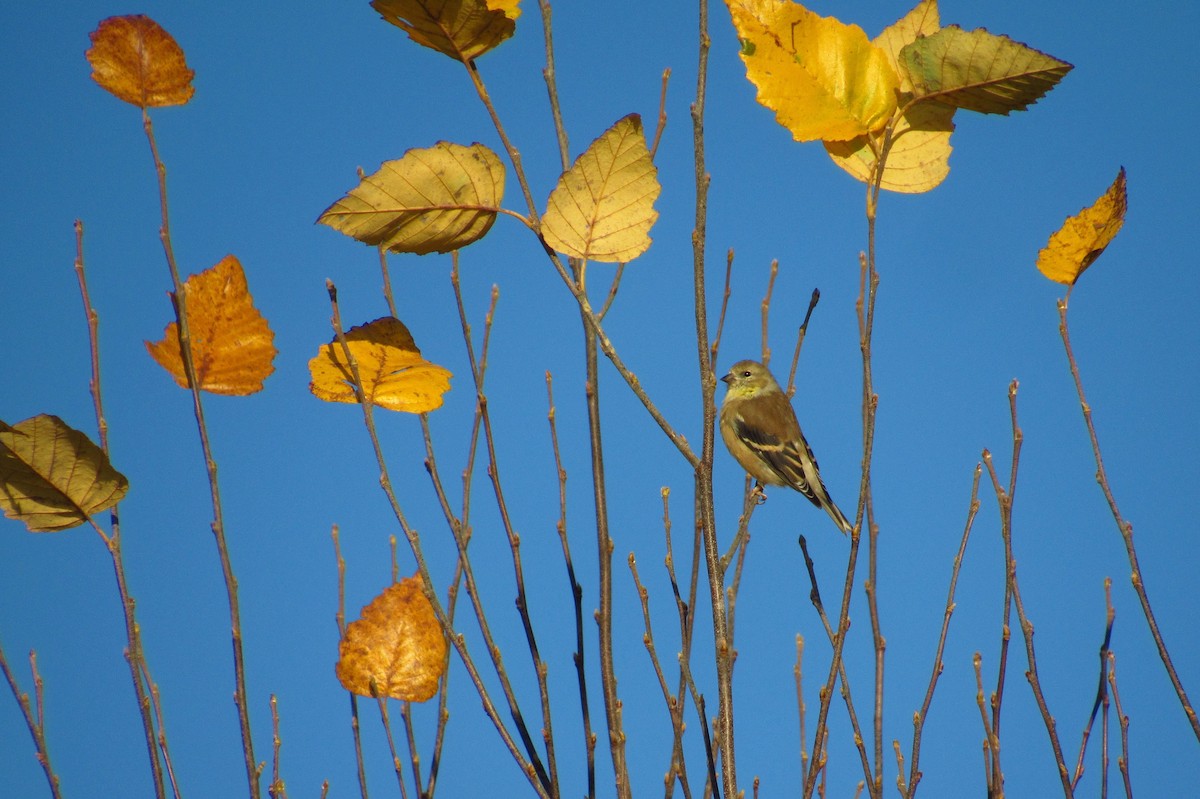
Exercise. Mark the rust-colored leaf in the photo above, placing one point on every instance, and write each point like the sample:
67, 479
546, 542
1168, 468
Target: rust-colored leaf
461, 29
396, 648
394, 374
232, 345
136, 60
52, 477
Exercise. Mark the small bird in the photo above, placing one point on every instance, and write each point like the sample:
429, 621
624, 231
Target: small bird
760, 429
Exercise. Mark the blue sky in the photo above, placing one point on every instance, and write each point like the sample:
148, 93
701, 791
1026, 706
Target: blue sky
288, 104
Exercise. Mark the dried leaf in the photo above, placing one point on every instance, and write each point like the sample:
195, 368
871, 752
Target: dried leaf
232, 346
135, 59
1082, 238
53, 477
603, 206
394, 374
396, 648
437, 199
980, 71
822, 78
919, 158
461, 29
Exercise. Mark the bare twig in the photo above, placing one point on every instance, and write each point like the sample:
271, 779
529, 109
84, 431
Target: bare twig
35, 723
277, 789
179, 299
812, 305
1123, 760
920, 717
1101, 690
800, 706
589, 738
341, 625
387, 281
1124, 527
766, 310
716, 342
662, 113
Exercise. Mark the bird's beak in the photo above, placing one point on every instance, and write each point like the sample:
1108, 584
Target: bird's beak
727, 378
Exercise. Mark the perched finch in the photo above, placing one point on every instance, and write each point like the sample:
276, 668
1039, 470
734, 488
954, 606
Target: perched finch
760, 429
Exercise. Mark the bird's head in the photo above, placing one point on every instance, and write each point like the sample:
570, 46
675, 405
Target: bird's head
749, 379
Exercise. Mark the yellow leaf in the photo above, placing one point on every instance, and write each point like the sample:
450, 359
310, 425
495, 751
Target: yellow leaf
979, 71
437, 199
394, 374
603, 206
139, 62
821, 77
53, 477
919, 158
461, 29
396, 649
232, 346
1082, 238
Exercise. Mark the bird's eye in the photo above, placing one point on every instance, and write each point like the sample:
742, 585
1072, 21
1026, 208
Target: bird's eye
746, 373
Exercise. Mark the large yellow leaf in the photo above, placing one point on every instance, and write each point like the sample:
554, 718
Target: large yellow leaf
980, 71
462, 29
396, 649
437, 199
919, 158
139, 62
394, 374
232, 346
822, 78
1082, 238
53, 477
603, 206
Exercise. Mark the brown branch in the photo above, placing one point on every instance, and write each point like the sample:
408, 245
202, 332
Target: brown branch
1124, 527
589, 738
381, 702
812, 305
765, 309
662, 113
147, 700
800, 706
991, 740
341, 625
716, 342
920, 717
1101, 691
277, 789
1123, 760
179, 300
35, 723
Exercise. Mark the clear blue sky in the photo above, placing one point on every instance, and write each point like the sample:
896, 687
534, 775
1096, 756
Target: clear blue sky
289, 102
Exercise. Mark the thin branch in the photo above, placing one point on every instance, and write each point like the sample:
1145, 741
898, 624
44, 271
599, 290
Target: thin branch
765, 307
341, 625
812, 305
1123, 760
922, 715
1101, 689
35, 723
662, 113
716, 342
277, 789
179, 299
589, 738
397, 766
147, 699
800, 707
1124, 527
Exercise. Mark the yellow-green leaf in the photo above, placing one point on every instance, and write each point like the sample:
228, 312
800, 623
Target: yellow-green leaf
980, 71
436, 199
822, 78
1082, 238
52, 477
603, 206
394, 375
919, 158
461, 29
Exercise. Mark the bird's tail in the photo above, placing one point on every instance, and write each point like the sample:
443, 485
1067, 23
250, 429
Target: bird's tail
838, 517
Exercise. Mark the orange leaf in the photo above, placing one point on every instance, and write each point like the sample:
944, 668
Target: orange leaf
232, 346
139, 62
396, 649
1079, 242
394, 374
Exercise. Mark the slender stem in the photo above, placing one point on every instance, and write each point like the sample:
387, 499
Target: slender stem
1101, 691
35, 723
276, 790
179, 298
1123, 760
147, 702
1125, 528
355, 729
922, 715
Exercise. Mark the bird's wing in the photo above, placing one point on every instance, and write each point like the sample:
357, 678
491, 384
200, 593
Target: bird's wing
786, 454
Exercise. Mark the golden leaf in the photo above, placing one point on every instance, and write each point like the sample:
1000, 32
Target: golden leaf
396, 648
1079, 242
919, 158
232, 346
822, 78
461, 29
135, 59
394, 374
53, 477
603, 206
437, 199
979, 71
